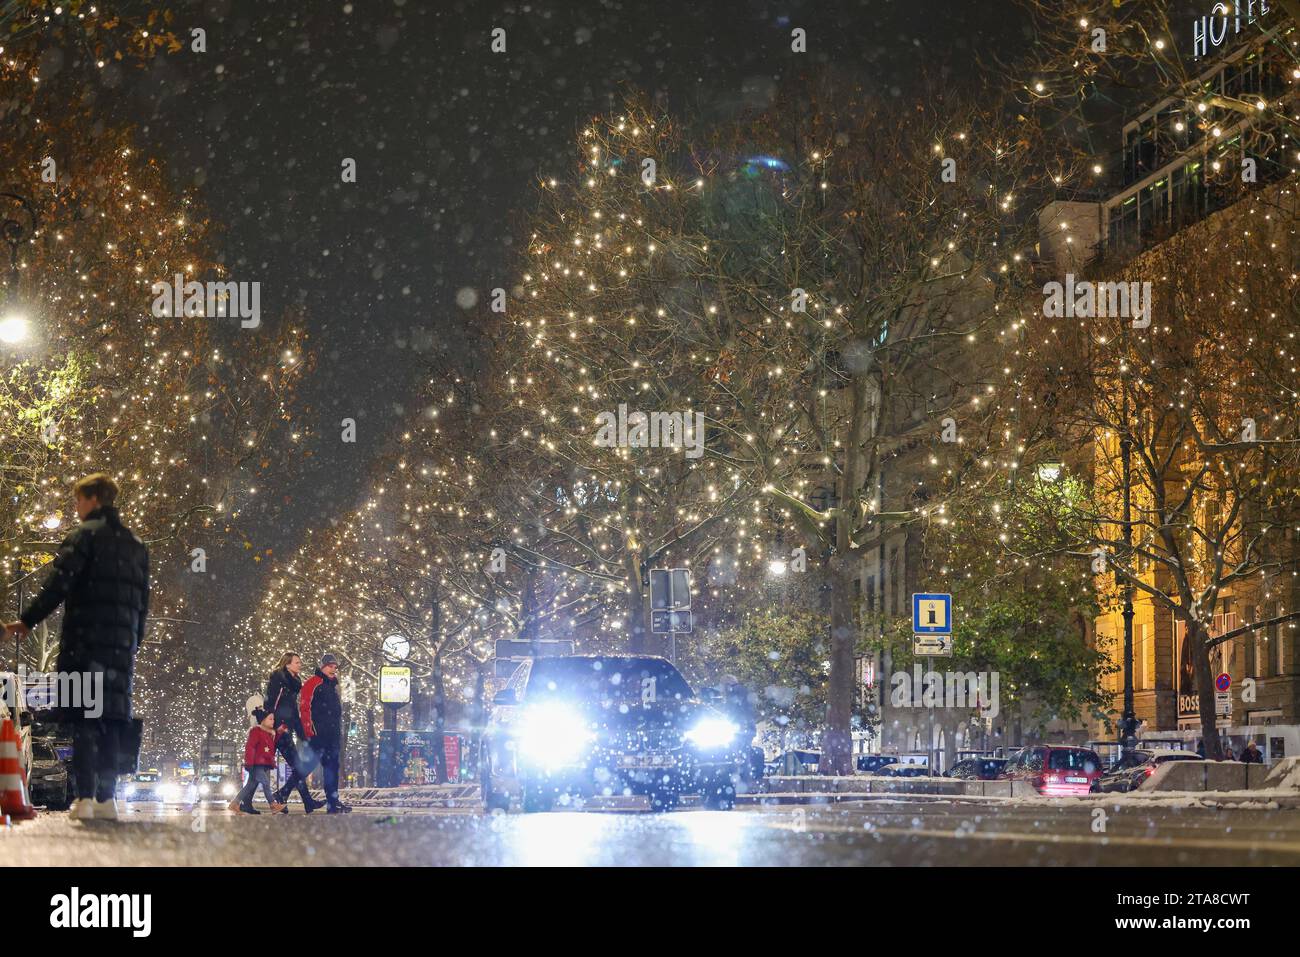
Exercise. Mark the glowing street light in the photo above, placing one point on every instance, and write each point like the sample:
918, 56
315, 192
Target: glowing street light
15, 329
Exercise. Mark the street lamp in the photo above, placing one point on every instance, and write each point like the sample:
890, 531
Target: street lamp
15, 229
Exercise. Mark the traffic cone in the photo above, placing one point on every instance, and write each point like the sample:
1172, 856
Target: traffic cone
13, 787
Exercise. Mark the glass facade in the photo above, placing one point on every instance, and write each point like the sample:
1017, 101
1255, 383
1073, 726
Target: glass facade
1171, 143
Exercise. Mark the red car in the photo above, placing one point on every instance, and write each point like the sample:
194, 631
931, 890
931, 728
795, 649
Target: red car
1055, 770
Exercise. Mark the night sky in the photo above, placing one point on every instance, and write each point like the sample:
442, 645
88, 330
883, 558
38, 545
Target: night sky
449, 139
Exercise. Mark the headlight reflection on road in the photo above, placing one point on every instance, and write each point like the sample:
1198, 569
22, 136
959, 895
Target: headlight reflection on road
714, 837
559, 840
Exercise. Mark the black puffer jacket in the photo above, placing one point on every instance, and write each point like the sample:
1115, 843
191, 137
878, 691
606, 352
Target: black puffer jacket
101, 577
282, 698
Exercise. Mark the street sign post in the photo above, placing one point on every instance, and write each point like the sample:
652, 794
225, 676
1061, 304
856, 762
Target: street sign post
1223, 682
931, 614
1222, 703
669, 622
937, 645
670, 589
670, 604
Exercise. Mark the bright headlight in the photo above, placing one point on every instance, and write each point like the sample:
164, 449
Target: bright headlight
204, 789
228, 789
552, 735
711, 733
169, 793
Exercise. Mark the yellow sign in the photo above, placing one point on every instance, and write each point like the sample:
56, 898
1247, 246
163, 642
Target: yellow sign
394, 684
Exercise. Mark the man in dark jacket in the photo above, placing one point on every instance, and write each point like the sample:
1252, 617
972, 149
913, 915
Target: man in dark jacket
101, 577
282, 693
321, 713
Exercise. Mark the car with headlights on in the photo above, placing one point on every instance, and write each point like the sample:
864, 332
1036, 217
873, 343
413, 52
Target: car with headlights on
584, 726
142, 786
213, 786
152, 787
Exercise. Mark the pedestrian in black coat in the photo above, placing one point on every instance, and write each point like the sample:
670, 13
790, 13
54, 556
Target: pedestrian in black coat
101, 577
282, 692
321, 711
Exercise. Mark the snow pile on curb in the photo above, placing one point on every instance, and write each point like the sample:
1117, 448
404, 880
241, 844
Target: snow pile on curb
425, 795
1285, 775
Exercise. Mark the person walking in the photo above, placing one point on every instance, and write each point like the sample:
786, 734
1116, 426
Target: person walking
282, 691
259, 758
321, 713
101, 577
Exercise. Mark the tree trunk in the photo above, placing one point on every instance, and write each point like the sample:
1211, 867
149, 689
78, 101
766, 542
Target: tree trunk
439, 722
1197, 635
837, 749
837, 742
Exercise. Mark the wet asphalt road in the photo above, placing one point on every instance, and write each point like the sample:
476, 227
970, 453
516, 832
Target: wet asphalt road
897, 831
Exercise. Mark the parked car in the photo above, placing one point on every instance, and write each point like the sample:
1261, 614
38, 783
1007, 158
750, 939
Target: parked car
1055, 770
595, 725
897, 770
871, 763
796, 762
50, 781
978, 769
13, 704
1132, 769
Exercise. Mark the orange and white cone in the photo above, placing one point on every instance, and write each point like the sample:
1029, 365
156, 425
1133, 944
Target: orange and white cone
13, 786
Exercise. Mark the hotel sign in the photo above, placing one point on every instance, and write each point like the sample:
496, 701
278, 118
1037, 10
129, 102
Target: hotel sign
1224, 19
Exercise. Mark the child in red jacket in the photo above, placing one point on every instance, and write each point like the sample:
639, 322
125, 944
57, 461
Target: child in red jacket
259, 758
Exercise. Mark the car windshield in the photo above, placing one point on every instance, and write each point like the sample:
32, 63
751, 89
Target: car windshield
43, 752
1073, 760
991, 766
607, 680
